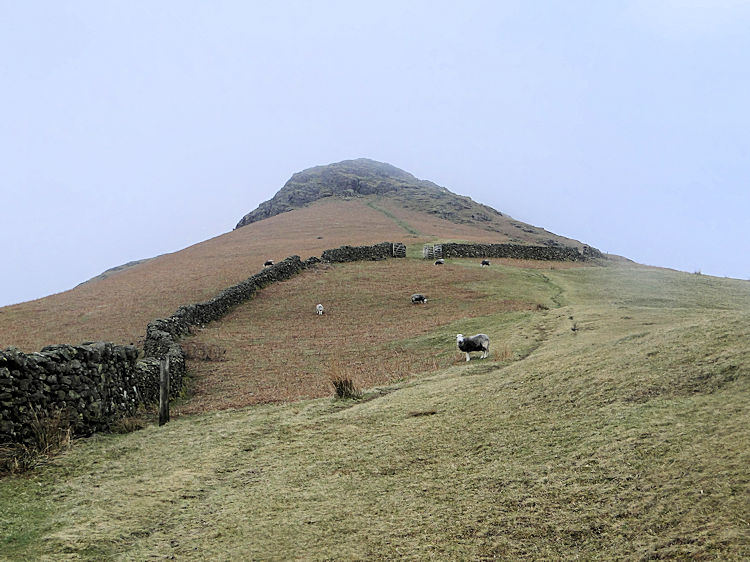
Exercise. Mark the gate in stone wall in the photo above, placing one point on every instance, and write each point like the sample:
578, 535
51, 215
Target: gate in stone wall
432, 251
399, 250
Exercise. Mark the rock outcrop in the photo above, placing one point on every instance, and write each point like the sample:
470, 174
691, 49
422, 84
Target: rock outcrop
362, 178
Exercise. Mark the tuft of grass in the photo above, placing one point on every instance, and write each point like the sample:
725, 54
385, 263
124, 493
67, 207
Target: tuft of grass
130, 424
15, 458
503, 354
50, 435
343, 383
345, 388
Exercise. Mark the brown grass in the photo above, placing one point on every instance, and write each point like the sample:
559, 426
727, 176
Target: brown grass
50, 434
500, 229
119, 307
279, 350
502, 354
342, 381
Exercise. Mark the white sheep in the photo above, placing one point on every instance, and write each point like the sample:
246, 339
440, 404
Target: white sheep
418, 298
485, 263
479, 342
319, 309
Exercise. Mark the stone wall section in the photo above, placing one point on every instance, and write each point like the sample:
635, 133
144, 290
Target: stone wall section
517, 251
358, 253
163, 334
95, 384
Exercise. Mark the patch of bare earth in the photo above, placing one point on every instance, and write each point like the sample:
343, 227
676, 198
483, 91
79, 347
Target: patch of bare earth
278, 349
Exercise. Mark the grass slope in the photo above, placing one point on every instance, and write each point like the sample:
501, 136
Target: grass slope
626, 438
119, 307
277, 349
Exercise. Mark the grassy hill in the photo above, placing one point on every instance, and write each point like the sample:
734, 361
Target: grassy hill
611, 421
117, 307
365, 178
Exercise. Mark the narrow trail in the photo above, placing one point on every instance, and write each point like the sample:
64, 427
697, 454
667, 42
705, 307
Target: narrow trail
540, 331
557, 294
408, 228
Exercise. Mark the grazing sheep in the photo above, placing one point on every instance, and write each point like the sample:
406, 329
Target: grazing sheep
319, 309
441, 261
418, 298
268, 262
480, 342
485, 263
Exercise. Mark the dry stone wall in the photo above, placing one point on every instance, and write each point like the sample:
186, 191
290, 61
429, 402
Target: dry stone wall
162, 334
546, 253
358, 253
95, 384
91, 384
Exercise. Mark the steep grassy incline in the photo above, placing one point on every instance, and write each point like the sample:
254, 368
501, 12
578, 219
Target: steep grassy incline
624, 438
118, 307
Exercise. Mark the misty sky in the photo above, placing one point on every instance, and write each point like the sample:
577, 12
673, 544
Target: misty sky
130, 128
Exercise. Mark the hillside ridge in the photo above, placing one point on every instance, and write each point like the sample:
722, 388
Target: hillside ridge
363, 177
348, 178
381, 186
387, 188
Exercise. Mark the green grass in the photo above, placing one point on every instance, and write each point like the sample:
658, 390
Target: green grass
628, 438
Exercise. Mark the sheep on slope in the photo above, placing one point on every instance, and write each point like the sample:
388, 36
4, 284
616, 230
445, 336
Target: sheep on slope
480, 342
418, 298
319, 309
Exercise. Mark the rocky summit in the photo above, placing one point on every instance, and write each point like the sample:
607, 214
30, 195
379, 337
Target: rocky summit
365, 178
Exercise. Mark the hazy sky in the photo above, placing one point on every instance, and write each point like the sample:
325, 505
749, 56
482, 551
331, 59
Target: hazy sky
135, 128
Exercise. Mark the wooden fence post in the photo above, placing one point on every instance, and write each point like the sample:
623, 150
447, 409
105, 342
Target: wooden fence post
164, 391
